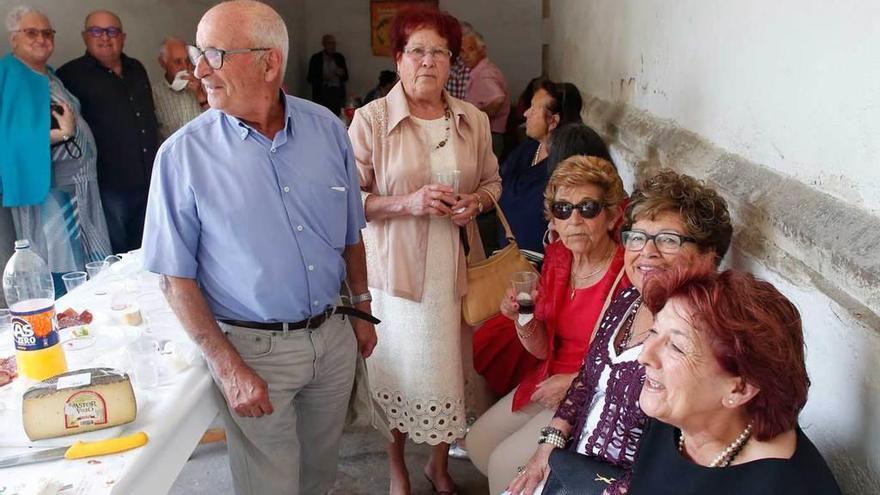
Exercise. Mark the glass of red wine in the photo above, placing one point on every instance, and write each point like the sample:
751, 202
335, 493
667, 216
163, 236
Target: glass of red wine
524, 283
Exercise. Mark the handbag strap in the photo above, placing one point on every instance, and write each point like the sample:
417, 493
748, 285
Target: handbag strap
500, 214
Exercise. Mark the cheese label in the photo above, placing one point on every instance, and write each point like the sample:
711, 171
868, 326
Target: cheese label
84, 408
71, 381
33, 324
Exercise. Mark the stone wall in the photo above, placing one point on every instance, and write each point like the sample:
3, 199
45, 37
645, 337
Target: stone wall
751, 98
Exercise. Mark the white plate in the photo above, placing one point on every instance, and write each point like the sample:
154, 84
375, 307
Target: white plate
107, 338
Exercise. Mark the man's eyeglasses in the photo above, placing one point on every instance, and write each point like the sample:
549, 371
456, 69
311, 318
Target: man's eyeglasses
215, 56
419, 52
666, 242
34, 33
588, 209
97, 32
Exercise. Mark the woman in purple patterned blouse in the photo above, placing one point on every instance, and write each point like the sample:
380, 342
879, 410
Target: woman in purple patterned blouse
671, 219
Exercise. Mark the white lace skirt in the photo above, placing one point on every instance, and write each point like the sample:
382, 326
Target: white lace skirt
416, 369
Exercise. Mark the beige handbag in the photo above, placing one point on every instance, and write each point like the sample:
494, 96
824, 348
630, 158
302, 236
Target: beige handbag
490, 278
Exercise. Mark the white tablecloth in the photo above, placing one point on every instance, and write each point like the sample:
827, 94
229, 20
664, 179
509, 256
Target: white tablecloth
174, 414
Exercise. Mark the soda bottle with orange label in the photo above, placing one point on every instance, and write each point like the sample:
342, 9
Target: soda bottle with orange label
30, 294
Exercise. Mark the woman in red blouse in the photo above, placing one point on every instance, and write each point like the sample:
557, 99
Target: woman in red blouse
583, 202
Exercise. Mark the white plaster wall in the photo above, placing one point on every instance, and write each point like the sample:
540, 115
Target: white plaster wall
788, 84
512, 30
791, 84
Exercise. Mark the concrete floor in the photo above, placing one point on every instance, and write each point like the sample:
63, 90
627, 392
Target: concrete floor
362, 470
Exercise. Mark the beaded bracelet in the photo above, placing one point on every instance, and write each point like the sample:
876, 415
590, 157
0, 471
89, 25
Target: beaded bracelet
553, 439
529, 330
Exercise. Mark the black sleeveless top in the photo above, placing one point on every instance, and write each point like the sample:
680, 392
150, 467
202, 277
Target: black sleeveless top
660, 469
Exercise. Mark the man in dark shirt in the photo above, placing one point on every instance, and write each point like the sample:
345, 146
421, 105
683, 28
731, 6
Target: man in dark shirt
117, 102
327, 75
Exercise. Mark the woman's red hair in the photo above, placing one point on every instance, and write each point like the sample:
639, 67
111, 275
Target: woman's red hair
754, 332
411, 19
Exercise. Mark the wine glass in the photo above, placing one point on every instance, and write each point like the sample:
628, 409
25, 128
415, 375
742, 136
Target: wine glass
524, 283
451, 178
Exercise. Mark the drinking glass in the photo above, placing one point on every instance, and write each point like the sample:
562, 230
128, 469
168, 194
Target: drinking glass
451, 178
113, 258
120, 297
94, 269
73, 280
145, 363
524, 283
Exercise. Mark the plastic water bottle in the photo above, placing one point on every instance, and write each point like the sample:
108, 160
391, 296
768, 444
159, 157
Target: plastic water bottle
30, 294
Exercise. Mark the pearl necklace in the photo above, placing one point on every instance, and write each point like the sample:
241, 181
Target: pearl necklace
537, 154
727, 455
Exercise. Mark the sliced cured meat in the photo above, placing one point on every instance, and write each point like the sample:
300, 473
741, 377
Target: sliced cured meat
8, 370
70, 318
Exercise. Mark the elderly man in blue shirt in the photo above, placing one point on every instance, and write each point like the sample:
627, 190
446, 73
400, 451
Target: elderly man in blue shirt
254, 221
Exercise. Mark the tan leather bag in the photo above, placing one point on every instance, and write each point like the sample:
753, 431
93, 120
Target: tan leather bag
490, 278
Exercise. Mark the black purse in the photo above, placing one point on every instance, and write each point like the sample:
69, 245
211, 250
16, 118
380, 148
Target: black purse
577, 474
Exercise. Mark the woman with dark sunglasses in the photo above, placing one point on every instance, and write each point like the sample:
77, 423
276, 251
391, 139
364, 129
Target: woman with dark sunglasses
672, 221
50, 181
582, 201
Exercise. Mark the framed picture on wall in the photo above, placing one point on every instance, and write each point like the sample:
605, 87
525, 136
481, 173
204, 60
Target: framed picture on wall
381, 14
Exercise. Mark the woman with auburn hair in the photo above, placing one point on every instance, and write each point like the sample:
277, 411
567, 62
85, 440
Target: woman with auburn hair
725, 380
408, 146
671, 221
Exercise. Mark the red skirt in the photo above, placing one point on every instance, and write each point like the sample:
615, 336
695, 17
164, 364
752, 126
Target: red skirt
499, 356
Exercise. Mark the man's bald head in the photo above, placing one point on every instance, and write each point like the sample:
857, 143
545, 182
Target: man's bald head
100, 13
257, 25
99, 42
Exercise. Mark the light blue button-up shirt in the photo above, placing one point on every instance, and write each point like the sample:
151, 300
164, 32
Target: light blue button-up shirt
260, 224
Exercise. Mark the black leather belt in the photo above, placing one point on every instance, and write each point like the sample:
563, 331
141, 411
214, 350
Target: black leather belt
312, 322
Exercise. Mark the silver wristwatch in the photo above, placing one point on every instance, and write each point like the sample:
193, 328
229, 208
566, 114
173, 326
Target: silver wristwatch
365, 297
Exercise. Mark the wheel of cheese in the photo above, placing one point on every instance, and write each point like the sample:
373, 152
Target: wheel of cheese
77, 402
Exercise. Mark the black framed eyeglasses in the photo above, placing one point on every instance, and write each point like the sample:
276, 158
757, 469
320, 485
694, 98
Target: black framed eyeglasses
34, 33
666, 242
97, 32
588, 209
215, 56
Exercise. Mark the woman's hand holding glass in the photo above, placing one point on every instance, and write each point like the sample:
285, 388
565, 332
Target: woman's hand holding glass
465, 208
432, 199
509, 307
